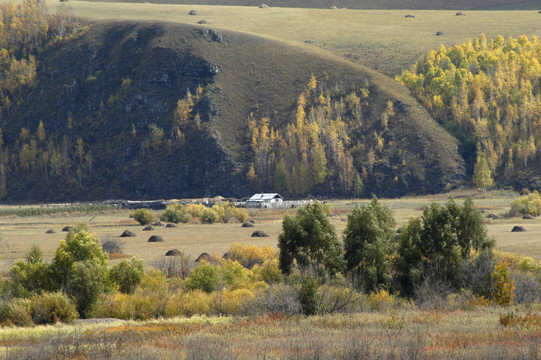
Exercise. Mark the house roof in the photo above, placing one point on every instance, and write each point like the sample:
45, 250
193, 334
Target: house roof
265, 196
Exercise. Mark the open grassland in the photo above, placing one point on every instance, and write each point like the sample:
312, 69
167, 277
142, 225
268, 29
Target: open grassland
17, 235
381, 39
394, 334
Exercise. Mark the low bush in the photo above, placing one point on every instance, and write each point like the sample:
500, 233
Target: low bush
226, 211
197, 302
503, 290
209, 216
269, 271
250, 255
176, 213
15, 312
205, 277
179, 266
527, 287
50, 308
143, 216
527, 204
196, 210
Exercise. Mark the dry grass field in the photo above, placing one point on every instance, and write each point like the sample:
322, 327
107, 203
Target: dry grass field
381, 39
17, 235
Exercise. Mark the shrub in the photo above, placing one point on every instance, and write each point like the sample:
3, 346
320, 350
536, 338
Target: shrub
30, 275
15, 312
205, 277
527, 204
180, 265
196, 210
226, 211
269, 271
50, 308
235, 276
176, 213
309, 297
381, 300
527, 287
209, 216
527, 264
503, 291
233, 302
143, 216
86, 283
196, 302
275, 299
250, 255
127, 274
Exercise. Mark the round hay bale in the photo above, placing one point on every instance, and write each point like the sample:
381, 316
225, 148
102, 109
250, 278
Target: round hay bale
247, 224
409, 16
259, 233
264, 6
50, 231
204, 256
461, 13
311, 42
112, 246
528, 217
492, 216
148, 228
155, 238
193, 12
171, 225
158, 223
333, 8
440, 33
172, 252
203, 21
518, 229
68, 228
127, 233
252, 221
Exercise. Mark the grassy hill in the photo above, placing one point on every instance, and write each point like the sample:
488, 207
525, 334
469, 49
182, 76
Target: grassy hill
383, 40
370, 4
111, 86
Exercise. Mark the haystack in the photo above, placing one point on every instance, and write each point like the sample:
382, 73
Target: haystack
204, 256
148, 228
171, 225
247, 224
528, 217
264, 6
259, 233
112, 246
440, 33
518, 229
203, 22
68, 228
461, 13
334, 8
172, 252
158, 223
50, 231
410, 16
127, 233
155, 238
193, 12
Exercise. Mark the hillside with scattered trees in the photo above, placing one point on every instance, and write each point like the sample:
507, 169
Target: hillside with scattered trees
108, 110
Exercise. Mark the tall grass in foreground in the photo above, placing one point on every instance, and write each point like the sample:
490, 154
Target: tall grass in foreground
54, 210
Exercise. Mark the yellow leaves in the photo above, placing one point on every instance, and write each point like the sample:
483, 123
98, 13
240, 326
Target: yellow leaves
503, 290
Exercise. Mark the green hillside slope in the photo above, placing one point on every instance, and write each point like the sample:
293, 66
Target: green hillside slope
107, 103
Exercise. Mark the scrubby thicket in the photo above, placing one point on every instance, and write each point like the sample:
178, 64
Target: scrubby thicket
443, 259
488, 94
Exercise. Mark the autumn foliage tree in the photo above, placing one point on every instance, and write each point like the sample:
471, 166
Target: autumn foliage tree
488, 93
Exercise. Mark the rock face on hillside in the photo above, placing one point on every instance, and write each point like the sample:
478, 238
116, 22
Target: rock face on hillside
108, 100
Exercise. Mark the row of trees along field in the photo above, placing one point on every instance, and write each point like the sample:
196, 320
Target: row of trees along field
320, 149
488, 94
440, 257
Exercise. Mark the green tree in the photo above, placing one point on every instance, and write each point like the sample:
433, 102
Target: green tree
176, 213
309, 240
80, 267
205, 277
30, 275
432, 248
368, 240
127, 274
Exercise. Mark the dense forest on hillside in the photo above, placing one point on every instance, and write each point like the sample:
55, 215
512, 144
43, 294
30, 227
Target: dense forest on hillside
488, 94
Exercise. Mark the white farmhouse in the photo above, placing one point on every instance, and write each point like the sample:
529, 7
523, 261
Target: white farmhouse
264, 199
